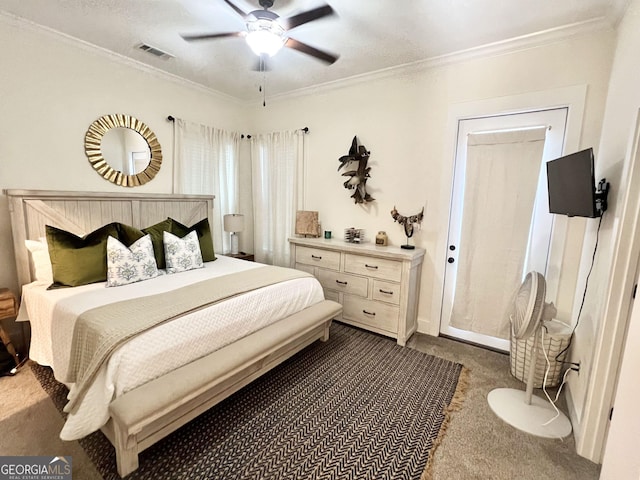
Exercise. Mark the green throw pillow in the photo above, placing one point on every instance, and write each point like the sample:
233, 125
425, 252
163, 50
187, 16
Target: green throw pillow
79, 261
203, 229
128, 235
156, 238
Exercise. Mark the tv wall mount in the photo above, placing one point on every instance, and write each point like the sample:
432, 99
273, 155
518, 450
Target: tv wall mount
602, 193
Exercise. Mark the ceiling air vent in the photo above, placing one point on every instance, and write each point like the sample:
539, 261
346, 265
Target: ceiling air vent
154, 51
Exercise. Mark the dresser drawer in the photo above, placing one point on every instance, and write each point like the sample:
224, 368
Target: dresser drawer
386, 292
331, 295
343, 282
305, 268
318, 257
368, 312
373, 267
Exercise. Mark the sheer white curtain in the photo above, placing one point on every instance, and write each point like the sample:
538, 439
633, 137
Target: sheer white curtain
277, 161
501, 179
206, 162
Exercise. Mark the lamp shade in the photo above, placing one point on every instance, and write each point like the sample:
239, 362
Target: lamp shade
234, 222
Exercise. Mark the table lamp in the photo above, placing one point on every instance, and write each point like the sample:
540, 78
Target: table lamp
234, 223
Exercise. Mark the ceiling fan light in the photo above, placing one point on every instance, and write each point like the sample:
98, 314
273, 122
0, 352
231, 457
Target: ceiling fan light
265, 37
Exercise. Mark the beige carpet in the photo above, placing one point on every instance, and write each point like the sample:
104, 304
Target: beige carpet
477, 445
480, 446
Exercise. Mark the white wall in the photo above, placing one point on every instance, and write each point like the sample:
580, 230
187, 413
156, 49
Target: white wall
403, 120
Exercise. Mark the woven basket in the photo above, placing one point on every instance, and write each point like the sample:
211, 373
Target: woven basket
556, 339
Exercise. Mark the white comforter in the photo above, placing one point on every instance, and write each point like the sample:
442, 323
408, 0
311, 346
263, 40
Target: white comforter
161, 349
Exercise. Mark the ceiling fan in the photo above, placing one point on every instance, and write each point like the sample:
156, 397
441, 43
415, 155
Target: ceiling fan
267, 32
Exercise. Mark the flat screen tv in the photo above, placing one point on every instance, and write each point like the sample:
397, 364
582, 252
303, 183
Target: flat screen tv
571, 185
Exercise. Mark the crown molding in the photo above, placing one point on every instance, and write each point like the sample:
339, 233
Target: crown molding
22, 23
503, 47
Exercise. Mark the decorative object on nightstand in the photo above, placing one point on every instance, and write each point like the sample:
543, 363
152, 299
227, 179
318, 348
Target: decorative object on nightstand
355, 163
233, 224
407, 223
8, 309
242, 256
307, 223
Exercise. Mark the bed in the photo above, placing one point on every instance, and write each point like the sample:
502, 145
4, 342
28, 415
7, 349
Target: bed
154, 382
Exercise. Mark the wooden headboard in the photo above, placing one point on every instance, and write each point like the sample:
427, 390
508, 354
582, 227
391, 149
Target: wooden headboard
83, 212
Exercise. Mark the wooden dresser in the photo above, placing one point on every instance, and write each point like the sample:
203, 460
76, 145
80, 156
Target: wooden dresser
378, 287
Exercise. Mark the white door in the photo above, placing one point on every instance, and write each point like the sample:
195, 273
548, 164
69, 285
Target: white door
491, 233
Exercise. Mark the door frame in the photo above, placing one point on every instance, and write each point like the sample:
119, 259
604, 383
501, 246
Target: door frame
541, 226
573, 97
601, 387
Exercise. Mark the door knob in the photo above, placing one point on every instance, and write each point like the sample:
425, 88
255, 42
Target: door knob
450, 260
452, 247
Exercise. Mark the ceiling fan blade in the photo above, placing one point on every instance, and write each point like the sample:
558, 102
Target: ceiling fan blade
309, 50
305, 17
237, 9
209, 36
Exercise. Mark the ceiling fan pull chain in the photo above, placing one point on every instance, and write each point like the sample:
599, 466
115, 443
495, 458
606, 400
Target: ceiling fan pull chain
264, 86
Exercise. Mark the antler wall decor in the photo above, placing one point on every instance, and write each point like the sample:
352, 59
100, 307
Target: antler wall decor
357, 171
407, 223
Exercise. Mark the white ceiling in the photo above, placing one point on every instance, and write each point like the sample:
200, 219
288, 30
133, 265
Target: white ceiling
369, 35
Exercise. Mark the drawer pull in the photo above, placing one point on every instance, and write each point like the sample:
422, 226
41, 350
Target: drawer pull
341, 283
315, 257
375, 267
369, 313
388, 292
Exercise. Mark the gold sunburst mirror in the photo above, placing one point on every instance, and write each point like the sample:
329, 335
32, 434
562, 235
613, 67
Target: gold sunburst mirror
123, 150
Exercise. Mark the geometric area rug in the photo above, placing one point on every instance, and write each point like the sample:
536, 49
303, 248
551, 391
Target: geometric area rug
355, 407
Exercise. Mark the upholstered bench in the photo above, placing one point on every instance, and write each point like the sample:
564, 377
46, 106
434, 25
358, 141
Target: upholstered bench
145, 415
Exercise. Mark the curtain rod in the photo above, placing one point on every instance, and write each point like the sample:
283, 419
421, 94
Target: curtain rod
171, 118
304, 129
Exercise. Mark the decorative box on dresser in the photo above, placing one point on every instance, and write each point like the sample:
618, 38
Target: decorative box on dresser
377, 286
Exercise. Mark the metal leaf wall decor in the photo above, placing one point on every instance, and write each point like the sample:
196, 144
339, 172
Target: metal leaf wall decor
356, 169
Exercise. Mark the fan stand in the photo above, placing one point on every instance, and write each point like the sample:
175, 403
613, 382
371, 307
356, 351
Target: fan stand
526, 412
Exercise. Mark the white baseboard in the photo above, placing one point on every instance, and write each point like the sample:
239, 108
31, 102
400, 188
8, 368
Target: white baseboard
573, 415
427, 327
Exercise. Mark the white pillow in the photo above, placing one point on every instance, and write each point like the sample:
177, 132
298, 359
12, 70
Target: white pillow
182, 254
39, 253
130, 264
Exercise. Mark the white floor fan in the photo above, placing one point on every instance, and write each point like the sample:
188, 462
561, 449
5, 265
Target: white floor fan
518, 408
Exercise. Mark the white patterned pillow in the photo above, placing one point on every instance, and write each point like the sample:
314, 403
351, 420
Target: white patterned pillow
132, 264
182, 254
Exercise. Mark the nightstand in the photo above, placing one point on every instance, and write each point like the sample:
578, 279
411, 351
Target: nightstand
241, 256
8, 309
